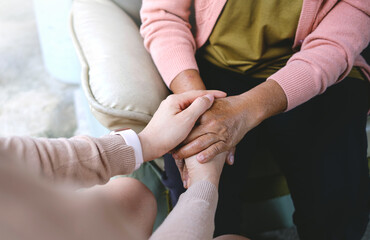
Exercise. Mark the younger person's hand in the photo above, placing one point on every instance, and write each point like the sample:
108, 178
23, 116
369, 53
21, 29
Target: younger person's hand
174, 120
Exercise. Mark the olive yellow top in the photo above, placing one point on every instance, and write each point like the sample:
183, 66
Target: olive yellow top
255, 37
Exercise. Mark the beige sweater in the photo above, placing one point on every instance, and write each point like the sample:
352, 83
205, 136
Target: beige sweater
31, 208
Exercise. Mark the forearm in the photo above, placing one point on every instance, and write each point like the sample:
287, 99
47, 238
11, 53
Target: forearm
187, 80
193, 216
83, 160
263, 101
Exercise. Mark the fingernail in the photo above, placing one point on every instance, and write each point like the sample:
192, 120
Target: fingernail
231, 159
210, 97
200, 158
175, 156
185, 183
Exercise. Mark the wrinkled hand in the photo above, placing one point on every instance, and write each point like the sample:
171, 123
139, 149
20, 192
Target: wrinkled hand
173, 121
219, 130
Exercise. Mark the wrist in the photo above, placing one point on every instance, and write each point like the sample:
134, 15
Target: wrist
213, 179
209, 178
132, 139
198, 172
146, 147
264, 101
187, 80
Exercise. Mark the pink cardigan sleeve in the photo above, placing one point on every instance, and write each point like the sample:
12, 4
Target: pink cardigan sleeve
327, 54
83, 160
168, 37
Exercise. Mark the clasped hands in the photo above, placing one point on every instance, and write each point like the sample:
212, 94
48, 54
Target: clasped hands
213, 138
202, 127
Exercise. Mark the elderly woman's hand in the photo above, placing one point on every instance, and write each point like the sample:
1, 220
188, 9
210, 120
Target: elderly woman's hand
219, 130
229, 119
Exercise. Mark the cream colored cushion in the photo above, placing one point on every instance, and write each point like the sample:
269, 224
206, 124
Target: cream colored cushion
132, 8
121, 83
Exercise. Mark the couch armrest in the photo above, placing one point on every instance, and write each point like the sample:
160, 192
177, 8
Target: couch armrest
122, 85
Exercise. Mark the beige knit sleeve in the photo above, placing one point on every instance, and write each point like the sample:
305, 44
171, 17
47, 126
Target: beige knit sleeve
83, 160
193, 216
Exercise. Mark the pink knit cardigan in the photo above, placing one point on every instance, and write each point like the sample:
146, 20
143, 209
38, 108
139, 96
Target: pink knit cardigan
329, 39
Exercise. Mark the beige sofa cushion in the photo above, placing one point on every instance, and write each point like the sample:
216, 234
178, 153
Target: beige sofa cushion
132, 8
121, 83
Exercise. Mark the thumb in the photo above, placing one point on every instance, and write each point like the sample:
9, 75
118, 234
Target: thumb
198, 107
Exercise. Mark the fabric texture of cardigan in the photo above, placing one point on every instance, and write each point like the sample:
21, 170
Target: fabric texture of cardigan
34, 209
329, 39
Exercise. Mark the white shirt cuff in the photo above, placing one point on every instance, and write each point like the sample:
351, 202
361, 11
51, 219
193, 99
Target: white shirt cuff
132, 140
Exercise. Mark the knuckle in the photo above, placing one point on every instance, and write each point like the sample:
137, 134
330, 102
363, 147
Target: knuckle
221, 147
207, 116
213, 123
162, 103
225, 147
206, 139
170, 98
204, 142
204, 100
183, 153
226, 134
216, 149
179, 154
198, 144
